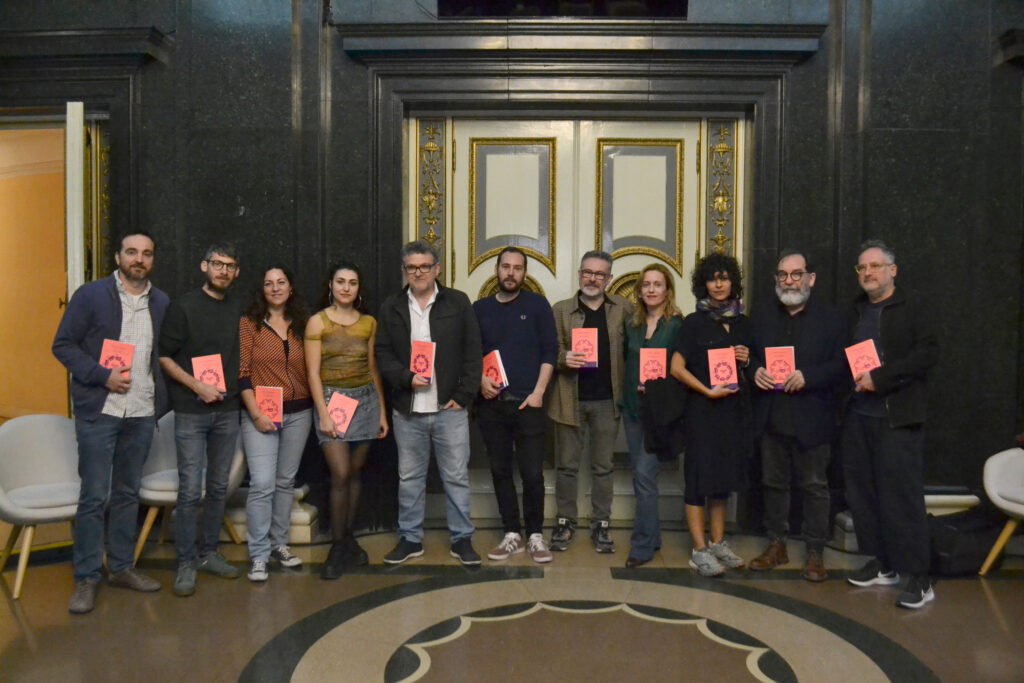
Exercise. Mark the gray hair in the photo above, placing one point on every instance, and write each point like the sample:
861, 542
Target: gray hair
596, 253
878, 244
420, 247
222, 248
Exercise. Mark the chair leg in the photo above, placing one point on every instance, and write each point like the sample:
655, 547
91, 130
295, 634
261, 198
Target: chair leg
26, 548
12, 538
164, 521
236, 539
147, 526
1011, 526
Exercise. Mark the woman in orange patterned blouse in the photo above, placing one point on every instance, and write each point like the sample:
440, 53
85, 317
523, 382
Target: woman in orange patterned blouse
272, 359
339, 359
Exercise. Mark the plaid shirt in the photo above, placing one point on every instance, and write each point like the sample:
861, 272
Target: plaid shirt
136, 329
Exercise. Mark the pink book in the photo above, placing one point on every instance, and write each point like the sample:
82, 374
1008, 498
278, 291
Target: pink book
652, 364
494, 369
584, 340
421, 360
341, 408
780, 362
270, 401
722, 367
115, 354
863, 357
209, 370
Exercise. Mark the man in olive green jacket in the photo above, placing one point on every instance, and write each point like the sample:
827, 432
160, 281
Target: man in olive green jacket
585, 399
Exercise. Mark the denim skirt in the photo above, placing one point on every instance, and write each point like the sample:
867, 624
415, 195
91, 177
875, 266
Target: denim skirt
365, 421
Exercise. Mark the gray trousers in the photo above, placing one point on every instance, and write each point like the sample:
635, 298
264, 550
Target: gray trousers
598, 429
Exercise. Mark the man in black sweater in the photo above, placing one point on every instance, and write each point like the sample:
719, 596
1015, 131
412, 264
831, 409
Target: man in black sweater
203, 322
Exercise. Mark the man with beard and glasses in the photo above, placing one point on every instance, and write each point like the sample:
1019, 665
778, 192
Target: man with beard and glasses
797, 420
520, 326
203, 322
585, 402
115, 412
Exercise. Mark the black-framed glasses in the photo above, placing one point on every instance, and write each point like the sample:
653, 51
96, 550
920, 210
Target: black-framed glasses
594, 275
795, 276
422, 270
223, 265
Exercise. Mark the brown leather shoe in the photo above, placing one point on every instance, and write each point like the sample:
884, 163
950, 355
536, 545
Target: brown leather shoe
773, 556
814, 568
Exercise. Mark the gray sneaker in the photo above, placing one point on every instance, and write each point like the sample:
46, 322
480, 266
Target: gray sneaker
724, 554
511, 544
133, 579
603, 542
84, 597
563, 533
185, 580
705, 563
214, 563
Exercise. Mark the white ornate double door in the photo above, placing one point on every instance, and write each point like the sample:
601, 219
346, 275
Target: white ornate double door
641, 190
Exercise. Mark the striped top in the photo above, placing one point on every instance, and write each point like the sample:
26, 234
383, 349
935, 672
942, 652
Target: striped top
266, 360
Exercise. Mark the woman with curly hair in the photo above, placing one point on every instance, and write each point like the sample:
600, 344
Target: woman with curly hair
271, 355
718, 427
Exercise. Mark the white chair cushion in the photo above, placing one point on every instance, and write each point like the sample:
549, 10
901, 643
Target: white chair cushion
1014, 495
40, 496
167, 480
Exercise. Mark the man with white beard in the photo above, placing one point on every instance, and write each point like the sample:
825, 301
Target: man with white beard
797, 420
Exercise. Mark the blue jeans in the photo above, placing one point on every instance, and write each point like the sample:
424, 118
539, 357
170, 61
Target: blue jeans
214, 435
646, 538
273, 459
448, 431
111, 452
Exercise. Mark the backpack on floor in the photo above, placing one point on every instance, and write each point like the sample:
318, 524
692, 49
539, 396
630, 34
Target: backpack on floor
960, 542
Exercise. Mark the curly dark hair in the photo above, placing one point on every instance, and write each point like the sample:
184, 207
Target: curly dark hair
705, 272
325, 298
295, 309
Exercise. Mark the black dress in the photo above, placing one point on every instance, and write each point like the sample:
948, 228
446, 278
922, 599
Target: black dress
719, 432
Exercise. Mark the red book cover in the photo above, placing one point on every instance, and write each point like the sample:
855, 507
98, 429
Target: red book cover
270, 401
421, 360
494, 369
209, 370
115, 354
652, 364
863, 357
780, 362
722, 367
584, 340
341, 408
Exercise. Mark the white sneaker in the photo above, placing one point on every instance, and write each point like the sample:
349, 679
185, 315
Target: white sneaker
538, 549
283, 554
512, 544
258, 571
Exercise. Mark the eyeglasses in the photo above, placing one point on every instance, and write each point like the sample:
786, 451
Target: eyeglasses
795, 276
870, 267
593, 275
221, 265
422, 270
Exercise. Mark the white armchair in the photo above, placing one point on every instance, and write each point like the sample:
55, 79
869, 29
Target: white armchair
1004, 484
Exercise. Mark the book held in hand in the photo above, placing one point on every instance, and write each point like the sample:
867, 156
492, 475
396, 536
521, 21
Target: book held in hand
209, 370
342, 408
722, 367
584, 340
494, 369
421, 361
780, 362
115, 354
270, 401
863, 357
652, 364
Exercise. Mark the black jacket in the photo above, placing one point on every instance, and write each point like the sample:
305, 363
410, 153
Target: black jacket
819, 356
458, 361
908, 348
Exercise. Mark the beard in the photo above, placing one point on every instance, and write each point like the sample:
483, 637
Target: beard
135, 272
793, 296
510, 285
213, 284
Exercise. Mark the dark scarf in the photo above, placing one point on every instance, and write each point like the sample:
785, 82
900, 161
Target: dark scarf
732, 308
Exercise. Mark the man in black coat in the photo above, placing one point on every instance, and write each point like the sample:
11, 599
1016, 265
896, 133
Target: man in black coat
795, 408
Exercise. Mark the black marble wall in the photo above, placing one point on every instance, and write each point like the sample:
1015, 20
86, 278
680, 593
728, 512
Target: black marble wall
904, 126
